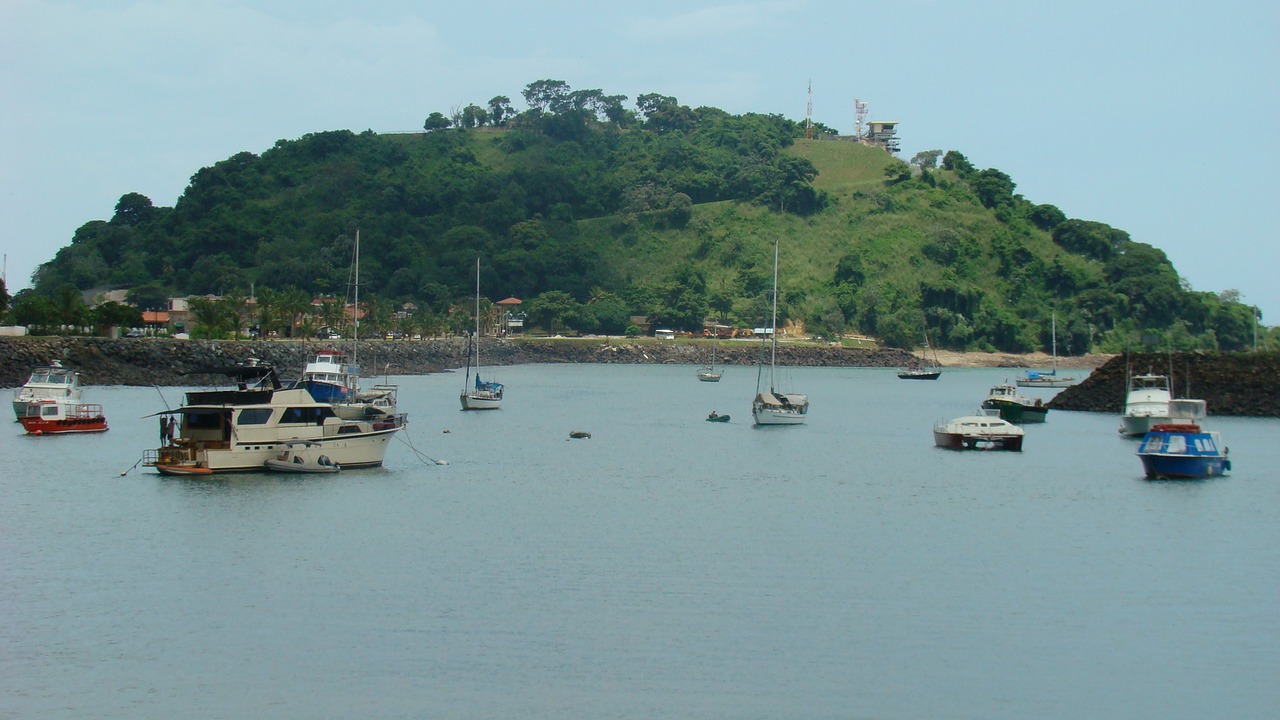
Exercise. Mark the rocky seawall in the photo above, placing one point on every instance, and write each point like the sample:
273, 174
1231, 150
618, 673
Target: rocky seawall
145, 361
1242, 384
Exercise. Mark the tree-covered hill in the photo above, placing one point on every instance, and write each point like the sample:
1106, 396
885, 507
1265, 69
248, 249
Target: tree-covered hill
591, 213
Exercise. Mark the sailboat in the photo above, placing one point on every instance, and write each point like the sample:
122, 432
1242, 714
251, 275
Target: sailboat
1050, 379
708, 373
334, 379
482, 395
920, 371
773, 407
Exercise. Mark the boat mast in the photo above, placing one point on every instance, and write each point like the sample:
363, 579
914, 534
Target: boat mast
355, 310
773, 348
477, 318
1053, 339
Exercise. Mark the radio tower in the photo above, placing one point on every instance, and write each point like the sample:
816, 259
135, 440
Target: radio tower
859, 117
808, 114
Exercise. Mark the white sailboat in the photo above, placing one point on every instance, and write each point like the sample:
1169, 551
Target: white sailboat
773, 407
708, 373
481, 395
332, 378
1040, 378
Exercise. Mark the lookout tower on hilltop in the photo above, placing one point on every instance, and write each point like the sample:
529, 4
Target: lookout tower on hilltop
883, 134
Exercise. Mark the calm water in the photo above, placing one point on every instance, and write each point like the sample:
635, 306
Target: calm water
665, 568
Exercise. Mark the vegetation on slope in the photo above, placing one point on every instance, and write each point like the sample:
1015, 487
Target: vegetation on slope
591, 213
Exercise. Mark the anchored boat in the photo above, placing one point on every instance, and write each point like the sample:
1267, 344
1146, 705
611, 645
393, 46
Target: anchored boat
239, 430
1176, 451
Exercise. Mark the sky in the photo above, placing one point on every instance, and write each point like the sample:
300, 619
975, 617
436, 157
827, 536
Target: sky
1157, 117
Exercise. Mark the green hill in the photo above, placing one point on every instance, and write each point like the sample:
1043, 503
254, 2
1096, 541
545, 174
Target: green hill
592, 214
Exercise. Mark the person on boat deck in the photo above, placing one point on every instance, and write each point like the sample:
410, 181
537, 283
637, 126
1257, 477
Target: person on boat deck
172, 429
713, 414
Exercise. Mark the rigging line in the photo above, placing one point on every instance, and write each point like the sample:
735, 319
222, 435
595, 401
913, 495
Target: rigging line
403, 437
126, 472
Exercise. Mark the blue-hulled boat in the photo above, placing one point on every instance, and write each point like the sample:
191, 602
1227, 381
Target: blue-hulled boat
1182, 452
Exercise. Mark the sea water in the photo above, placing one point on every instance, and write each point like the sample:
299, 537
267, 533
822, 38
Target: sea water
666, 567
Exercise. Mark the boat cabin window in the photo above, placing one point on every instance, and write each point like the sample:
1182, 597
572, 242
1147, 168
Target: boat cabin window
254, 416
50, 410
1177, 444
1153, 444
203, 421
306, 415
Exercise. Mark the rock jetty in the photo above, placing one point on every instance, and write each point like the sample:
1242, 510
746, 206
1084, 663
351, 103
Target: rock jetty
1243, 384
150, 361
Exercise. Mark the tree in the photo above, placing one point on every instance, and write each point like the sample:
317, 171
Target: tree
993, 188
208, 316
546, 95
552, 309
133, 209
473, 116
897, 172
33, 310
234, 307
112, 314
957, 162
499, 109
436, 121
4, 298
926, 160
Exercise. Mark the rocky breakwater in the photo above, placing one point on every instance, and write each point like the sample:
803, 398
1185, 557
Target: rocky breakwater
1242, 384
622, 351
147, 361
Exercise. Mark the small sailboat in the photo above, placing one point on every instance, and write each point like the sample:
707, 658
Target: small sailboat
708, 373
773, 407
482, 395
920, 371
1050, 379
333, 377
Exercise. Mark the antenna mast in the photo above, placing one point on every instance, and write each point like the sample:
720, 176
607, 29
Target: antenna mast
859, 117
808, 114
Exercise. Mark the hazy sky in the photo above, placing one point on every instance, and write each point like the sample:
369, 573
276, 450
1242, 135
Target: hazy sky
1156, 117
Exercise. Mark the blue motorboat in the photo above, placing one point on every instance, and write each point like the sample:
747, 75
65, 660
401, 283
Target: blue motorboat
1182, 452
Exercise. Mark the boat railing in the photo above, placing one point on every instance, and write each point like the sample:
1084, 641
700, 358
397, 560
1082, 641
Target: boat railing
86, 411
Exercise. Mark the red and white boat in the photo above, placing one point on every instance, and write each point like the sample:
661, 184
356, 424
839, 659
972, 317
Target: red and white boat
50, 416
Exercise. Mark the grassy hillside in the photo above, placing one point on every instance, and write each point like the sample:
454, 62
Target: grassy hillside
672, 216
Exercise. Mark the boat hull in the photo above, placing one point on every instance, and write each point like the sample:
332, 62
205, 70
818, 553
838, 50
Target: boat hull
1177, 467
478, 401
968, 441
41, 426
1046, 382
354, 450
719, 418
768, 416
1182, 451
709, 376
1017, 413
920, 374
775, 408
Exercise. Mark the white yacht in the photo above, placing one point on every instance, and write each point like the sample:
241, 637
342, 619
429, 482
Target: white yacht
239, 430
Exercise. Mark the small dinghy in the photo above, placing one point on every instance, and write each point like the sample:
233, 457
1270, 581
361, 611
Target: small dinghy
302, 458
579, 434
716, 417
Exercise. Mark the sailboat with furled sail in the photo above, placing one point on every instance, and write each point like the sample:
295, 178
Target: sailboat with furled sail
774, 407
481, 395
333, 376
